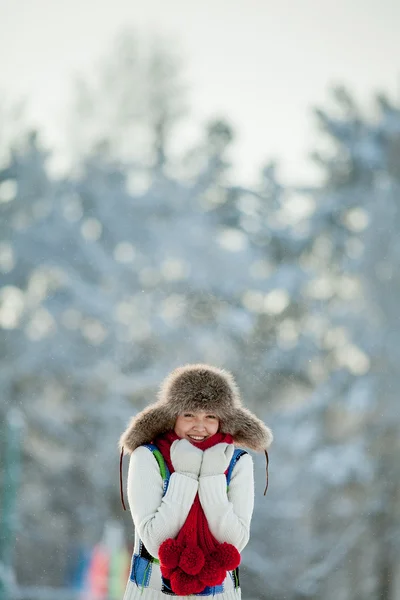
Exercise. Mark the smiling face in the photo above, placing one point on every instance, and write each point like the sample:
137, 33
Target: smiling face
196, 427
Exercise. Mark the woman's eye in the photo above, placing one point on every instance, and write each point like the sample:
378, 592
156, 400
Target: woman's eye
212, 417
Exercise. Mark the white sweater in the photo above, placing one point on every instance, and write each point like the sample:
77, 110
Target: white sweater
157, 517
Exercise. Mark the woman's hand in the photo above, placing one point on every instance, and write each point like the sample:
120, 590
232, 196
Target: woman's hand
216, 459
186, 458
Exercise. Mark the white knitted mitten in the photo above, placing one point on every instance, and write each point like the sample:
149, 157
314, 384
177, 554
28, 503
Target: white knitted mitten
186, 458
216, 459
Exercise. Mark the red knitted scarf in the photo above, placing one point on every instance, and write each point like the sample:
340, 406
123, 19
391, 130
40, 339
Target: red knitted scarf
194, 560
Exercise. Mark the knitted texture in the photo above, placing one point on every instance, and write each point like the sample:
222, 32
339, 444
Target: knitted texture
195, 559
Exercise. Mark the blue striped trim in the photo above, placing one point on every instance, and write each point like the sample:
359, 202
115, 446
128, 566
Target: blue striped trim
140, 571
211, 591
236, 455
156, 453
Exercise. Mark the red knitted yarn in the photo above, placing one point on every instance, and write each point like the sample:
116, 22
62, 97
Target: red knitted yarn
192, 560
170, 552
165, 572
212, 573
202, 560
184, 585
227, 555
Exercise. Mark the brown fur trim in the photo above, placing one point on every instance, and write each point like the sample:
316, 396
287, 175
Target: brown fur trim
195, 388
247, 430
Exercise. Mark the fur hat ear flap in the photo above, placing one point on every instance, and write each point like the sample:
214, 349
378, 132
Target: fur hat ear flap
146, 426
248, 430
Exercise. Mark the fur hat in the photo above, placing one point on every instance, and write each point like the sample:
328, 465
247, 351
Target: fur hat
195, 388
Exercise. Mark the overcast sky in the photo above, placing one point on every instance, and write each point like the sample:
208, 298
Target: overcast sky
261, 63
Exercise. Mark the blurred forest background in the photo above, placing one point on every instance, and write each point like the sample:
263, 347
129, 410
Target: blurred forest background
145, 256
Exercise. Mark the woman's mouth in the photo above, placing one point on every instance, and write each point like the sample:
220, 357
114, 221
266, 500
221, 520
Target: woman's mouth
197, 438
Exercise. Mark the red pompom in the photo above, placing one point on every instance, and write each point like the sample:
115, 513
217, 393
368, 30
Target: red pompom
212, 573
227, 555
192, 560
169, 553
165, 572
185, 585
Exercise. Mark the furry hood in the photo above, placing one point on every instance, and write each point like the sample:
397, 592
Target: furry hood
193, 388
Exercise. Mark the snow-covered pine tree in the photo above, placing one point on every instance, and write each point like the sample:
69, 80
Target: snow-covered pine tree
353, 478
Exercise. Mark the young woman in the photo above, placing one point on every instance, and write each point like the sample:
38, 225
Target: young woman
190, 491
